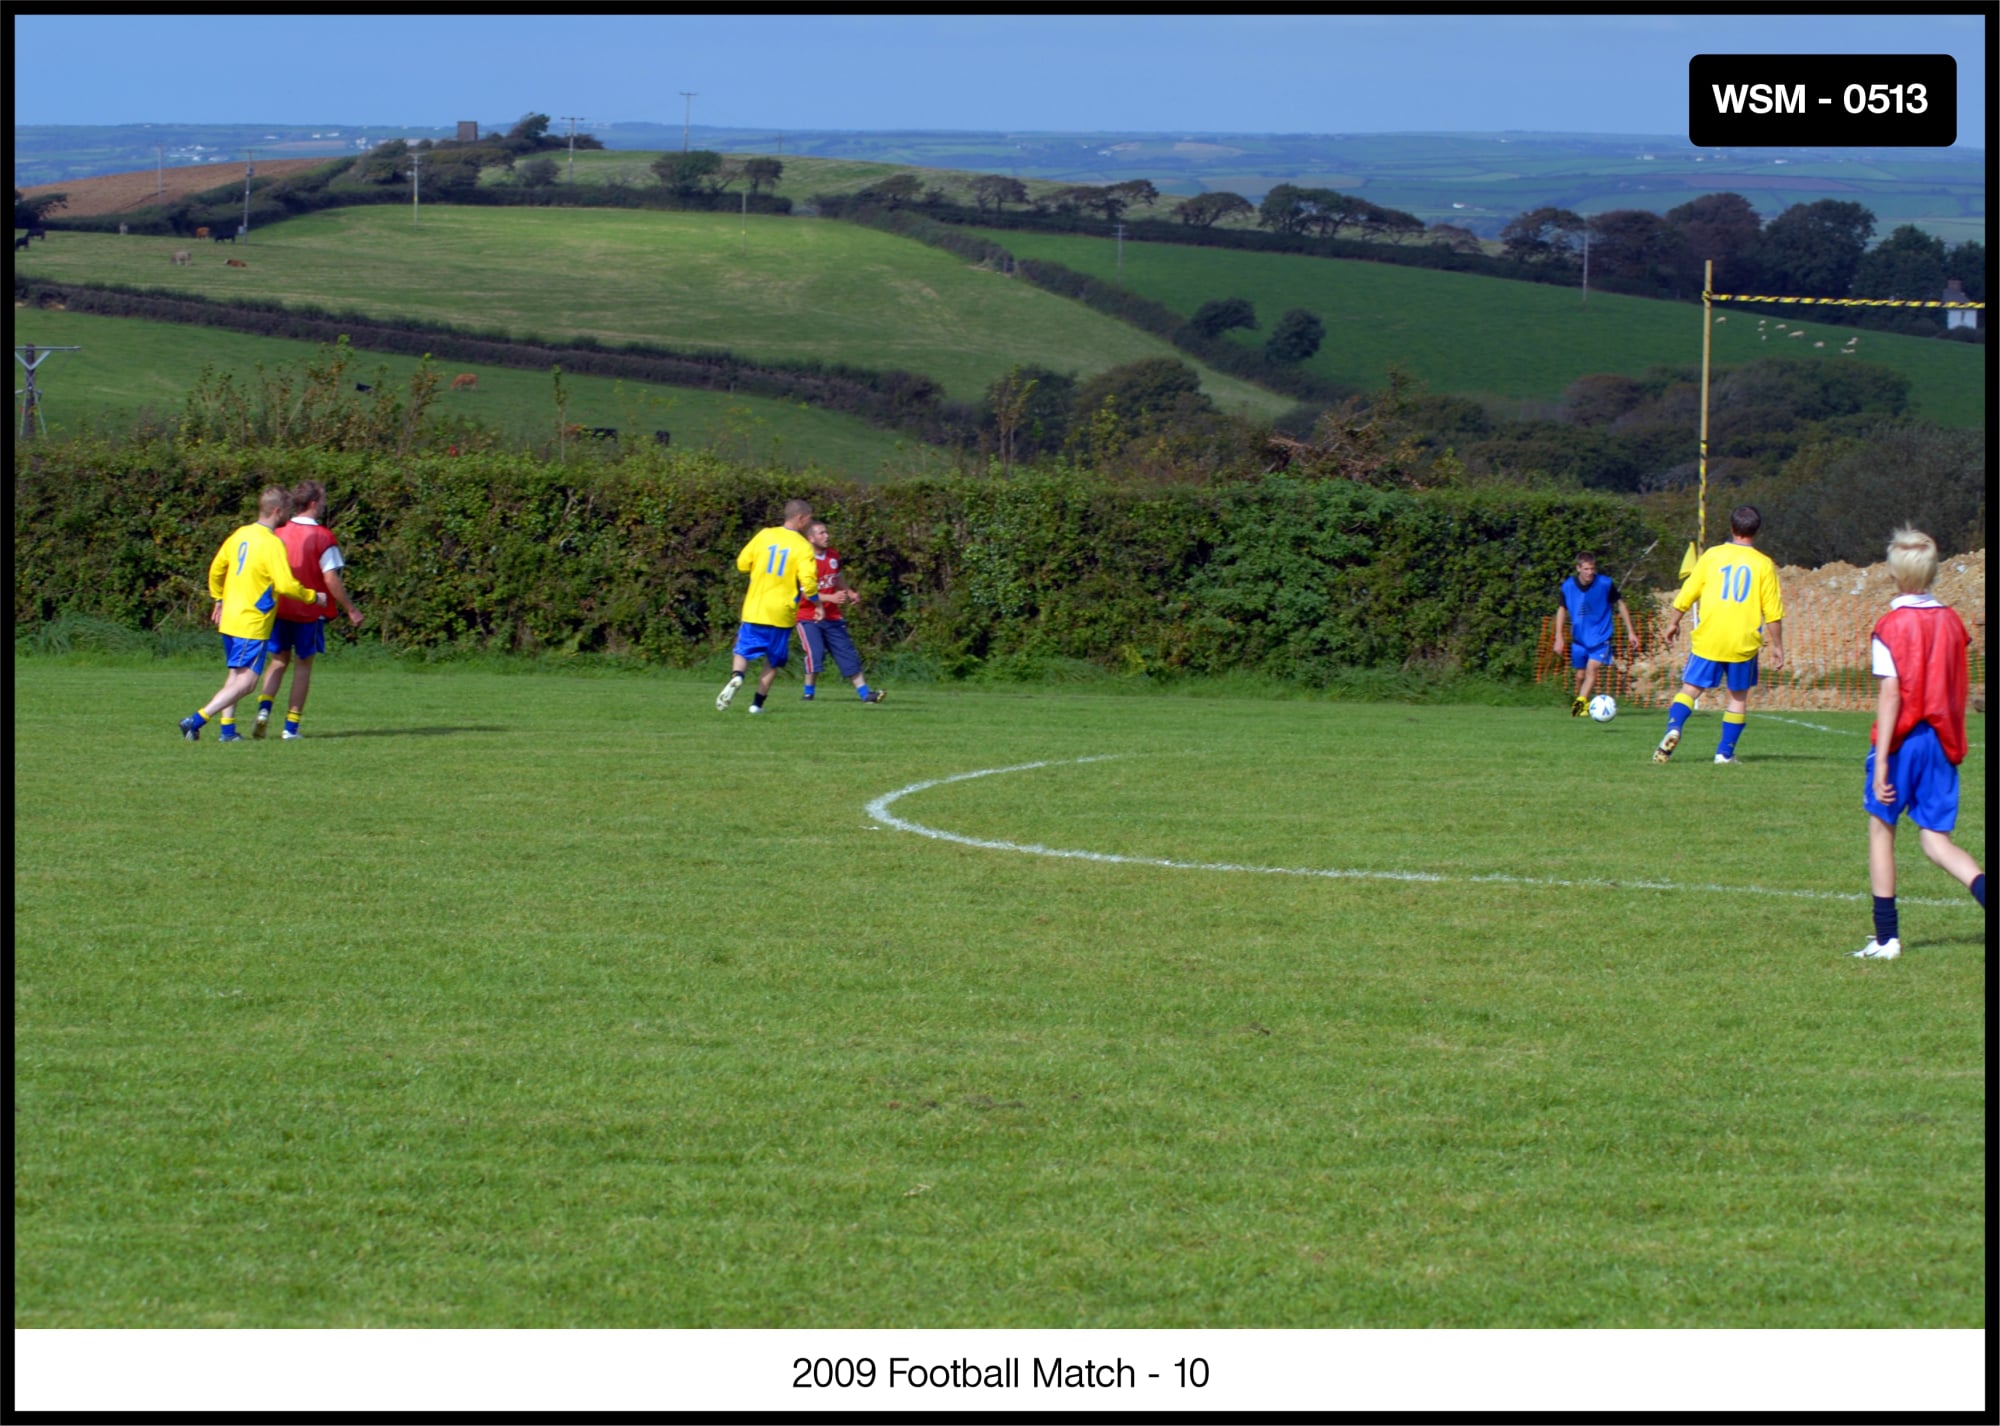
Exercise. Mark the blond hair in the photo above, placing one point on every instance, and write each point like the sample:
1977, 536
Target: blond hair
1913, 560
274, 501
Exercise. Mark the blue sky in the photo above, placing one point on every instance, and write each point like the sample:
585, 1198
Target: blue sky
1341, 73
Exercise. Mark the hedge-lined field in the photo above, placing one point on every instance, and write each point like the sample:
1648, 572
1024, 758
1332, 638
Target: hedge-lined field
1468, 335
791, 290
1297, 579
130, 370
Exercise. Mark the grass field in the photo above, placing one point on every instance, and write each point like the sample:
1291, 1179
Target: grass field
129, 371
770, 288
1515, 342
538, 1000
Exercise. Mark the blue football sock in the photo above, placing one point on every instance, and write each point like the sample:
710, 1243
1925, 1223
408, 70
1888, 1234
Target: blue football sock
1732, 729
1979, 889
1885, 920
862, 689
1678, 713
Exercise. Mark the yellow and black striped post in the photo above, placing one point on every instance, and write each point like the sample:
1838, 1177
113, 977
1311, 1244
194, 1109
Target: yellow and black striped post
1707, 323
1709, 298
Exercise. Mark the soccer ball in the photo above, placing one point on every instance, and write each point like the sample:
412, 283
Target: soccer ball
1603, 708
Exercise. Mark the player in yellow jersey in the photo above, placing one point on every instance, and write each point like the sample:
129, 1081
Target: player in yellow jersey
246, 577
1742, 611
782, 569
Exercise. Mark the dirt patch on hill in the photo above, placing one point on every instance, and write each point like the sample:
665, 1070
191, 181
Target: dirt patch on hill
129, 192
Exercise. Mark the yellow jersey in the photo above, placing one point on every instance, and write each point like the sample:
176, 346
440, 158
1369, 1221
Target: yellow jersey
248, 574
782, 567
1737, 587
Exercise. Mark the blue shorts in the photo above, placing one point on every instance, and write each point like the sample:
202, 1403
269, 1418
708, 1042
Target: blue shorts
1706, 673
1924, 781
1581, 654
764, 641
244, 653
306, 638
829, 636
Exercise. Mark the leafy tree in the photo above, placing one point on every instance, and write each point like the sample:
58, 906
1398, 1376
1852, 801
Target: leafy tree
1840, 502
1459, 240
763, 173
1137, 190
1139, 390
1205, 210
1909, 264
538, 172
1282, 210
1542, 235
530, 128
1721, 228
1391, 223
384, 163
1212, 319
1028, 410
29, 212
1967, 263
1814, 249
1295, 338
1631, 243
685, 172
996, 190
895, 190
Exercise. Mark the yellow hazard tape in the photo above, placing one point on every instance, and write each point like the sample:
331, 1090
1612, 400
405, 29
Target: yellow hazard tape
1837, 301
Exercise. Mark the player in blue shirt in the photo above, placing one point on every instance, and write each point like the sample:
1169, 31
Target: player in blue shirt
1588, 603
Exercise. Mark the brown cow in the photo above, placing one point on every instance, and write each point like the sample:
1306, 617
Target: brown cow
181, 258
201, 232
235, 262
465, 381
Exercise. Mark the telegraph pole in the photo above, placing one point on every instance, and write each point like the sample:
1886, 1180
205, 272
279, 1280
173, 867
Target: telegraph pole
248, 170
1121, 254
687, 117
160, 172
30, 358
574, 120
416, 182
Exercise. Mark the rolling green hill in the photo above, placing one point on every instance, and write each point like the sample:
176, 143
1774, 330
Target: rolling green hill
1513, 344
768, 288
131, 371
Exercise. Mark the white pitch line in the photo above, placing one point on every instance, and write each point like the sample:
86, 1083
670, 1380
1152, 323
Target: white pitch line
1970, 747
879, 811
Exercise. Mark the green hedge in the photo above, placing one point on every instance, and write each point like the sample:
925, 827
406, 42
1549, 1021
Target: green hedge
1301, 579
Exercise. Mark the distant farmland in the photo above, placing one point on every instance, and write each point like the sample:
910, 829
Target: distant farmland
768, 288
1510, 343
129, 192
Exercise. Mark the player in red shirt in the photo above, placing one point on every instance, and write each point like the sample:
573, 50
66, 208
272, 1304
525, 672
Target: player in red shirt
300, 629
1919, 740
823, 624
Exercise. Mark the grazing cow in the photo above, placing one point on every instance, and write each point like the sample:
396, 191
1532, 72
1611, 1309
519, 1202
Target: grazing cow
603, 433
201, 232
235, 262
224, 237
359, 387
662, 437
21, 243
181, 259
465, 381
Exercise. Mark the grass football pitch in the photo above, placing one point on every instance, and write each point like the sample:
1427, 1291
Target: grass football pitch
523, 999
